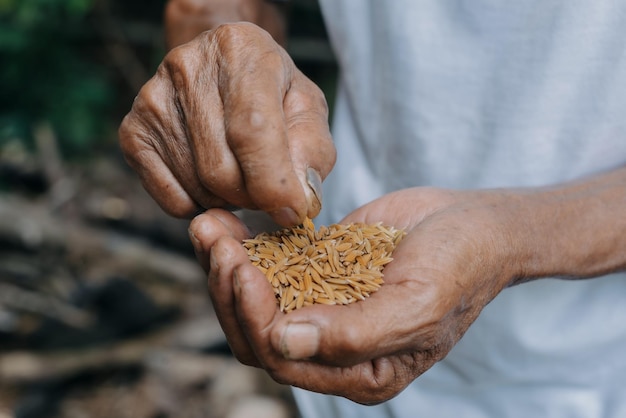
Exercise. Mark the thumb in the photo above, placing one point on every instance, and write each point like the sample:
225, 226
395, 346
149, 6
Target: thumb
384, 324
311, 146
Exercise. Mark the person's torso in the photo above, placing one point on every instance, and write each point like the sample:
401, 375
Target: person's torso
466, 94
475, 94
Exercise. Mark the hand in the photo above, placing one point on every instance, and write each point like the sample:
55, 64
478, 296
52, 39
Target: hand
185, 19
455, 258
229, 120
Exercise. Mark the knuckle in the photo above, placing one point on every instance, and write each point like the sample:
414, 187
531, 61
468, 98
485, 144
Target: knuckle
318, 98
210, 175
228, 32
216, 176
179, 210
430, 339
247, 360
369, 398
374, 397
254, 120
309, 98
370, 394
180, 65
126, 134
230, 37
246, 45
348, 347
278, 375
247, 125
236, 33
132, 140
152, 101
378, 386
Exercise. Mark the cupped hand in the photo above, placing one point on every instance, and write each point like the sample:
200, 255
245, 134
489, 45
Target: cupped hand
228, 120
457, 255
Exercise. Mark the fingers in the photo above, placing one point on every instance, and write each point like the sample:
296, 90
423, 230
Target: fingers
338, 335
207, 228
368, 382
227, 256
407, 314
202, 114
158, 179
217, 236
257, 134
276, 127
352, 334
154, 142
246, 308
233, 122
312, 149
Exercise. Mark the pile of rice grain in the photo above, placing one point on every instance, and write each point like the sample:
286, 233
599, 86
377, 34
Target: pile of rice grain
338, 264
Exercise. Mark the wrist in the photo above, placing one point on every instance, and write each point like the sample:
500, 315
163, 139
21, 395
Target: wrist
575, 230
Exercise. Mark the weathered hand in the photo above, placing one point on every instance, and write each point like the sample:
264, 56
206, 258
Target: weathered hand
455, 258
229, 120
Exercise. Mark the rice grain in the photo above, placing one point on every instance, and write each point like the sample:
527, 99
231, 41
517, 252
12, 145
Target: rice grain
337, 264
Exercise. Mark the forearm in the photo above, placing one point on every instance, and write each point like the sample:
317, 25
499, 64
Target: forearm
185, 19
576, 230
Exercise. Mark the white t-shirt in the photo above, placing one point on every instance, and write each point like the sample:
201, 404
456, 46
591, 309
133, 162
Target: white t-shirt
484, 93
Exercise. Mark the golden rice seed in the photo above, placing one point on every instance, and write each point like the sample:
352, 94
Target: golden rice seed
364, 259
282, 278
293, 282
269, 272
294, 302
274, 282
315, 276
325, 301
295, 260
350, 257
355, 293
317, 289
328, 270
308, 282
341, 298
339, 280
281, 303
328, 290
337, 233
300, 300
317, 268
343, 246
265, 250
337, 264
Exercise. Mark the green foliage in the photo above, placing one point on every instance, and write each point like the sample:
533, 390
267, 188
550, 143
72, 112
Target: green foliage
47, 72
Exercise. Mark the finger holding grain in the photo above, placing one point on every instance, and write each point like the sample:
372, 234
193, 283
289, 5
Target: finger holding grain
335, 265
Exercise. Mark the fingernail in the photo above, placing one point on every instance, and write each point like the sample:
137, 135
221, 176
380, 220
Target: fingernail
286, 217
314, 180
300, 341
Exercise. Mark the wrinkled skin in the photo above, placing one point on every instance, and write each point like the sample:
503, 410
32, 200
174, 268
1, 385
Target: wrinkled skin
228, 120
447, 268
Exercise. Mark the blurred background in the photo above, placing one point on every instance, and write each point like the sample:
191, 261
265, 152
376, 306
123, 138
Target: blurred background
103, 309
